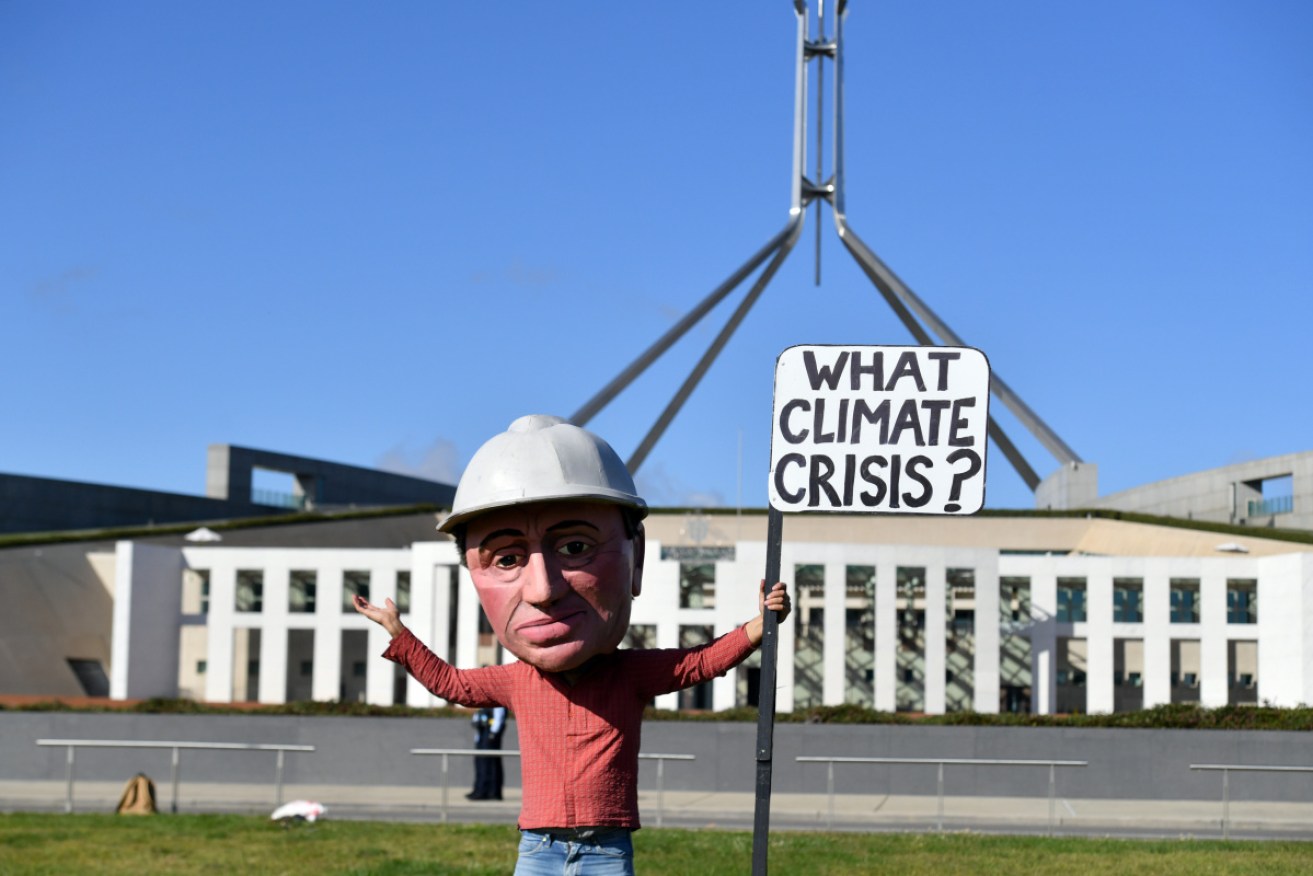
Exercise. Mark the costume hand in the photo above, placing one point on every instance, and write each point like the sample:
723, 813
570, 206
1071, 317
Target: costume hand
777, 600
388, 616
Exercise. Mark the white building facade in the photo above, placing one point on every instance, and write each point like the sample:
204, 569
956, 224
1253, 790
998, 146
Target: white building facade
962, 624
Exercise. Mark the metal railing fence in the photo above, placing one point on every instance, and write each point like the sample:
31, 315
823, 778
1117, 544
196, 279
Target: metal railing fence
1273, 505
446, 753
940, 762
1227, 768
74, 744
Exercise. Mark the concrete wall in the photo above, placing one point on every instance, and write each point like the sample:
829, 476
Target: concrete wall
1123, 764
56, 608
147, 615
320, 483
30, 504
1074, 485
1222, 495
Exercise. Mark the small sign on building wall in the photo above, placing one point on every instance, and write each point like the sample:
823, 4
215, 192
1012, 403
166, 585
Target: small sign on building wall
880, 429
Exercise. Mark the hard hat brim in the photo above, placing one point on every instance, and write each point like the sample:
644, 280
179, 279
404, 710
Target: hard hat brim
508, 500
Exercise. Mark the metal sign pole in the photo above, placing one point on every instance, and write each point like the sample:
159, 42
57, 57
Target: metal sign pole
770, 646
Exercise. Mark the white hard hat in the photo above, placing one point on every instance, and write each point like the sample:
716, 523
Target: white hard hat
537, 459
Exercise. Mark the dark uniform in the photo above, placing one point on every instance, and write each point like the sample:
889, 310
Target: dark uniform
488, 773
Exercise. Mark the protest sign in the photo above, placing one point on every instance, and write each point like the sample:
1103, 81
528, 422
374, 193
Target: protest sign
880, 429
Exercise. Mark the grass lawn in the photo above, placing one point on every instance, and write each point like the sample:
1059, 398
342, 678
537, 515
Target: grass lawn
225, 844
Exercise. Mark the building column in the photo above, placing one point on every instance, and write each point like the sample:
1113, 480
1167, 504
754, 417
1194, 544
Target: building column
1285, 597
1099, 658
1157, 635
886, 637
379, 672
145, 622
326, 682
986, 660
836, 628
1214, 675
467, 624
936, 620
785, 660
1044, 640
273, 662
430, 570
219, 644
273, 622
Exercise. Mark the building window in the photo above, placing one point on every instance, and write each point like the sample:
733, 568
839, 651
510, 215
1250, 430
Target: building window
1185, 600
1271, 496
1014, 671
1014, 599
298, 676
195, 591
403, 592
1242, 670
245, 664
301, 592
1128, 600
1071, 600
353, 584
351, 683
960, 612
1241, 601
640, 637
808, 635
698, 696
250, 590
91, 675
1185, 667
859, 635
909, 587
961, 602
201, 666
697, 585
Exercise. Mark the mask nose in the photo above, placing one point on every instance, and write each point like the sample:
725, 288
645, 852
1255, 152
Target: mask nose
543, 583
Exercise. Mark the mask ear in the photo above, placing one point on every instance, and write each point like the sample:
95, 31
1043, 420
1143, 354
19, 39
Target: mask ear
640, 550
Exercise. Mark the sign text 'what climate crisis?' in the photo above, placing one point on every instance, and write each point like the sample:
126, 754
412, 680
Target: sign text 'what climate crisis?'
880, 429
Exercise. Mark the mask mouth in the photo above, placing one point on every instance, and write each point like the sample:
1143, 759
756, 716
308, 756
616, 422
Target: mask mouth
555, 617
552, 630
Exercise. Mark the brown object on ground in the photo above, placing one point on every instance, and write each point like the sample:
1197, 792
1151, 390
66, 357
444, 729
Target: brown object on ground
138, 797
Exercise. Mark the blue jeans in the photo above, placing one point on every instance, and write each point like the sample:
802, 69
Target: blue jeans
604, 852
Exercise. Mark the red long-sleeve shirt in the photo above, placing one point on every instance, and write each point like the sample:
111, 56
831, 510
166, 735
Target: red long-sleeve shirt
578, 743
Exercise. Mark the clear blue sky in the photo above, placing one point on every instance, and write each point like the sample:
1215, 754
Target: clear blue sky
376, 233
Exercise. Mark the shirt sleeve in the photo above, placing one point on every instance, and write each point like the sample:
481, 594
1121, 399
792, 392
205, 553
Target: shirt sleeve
476, 688
661, 671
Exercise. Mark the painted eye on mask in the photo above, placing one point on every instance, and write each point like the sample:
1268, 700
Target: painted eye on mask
506, 561
573, 548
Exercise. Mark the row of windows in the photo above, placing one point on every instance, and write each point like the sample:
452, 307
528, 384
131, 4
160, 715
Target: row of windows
1128, 600
697, 590
1076, 677
302, 591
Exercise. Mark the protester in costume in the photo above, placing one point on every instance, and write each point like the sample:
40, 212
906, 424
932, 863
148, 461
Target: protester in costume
549, 524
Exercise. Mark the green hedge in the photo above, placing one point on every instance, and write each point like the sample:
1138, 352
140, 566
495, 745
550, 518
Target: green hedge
1175, 717
161, 706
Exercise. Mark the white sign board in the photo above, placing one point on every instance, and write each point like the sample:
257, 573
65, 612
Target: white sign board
880, 429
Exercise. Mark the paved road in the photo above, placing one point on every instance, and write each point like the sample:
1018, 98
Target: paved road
697, 809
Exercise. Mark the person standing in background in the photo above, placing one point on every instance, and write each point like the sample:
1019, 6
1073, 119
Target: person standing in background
488, 772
